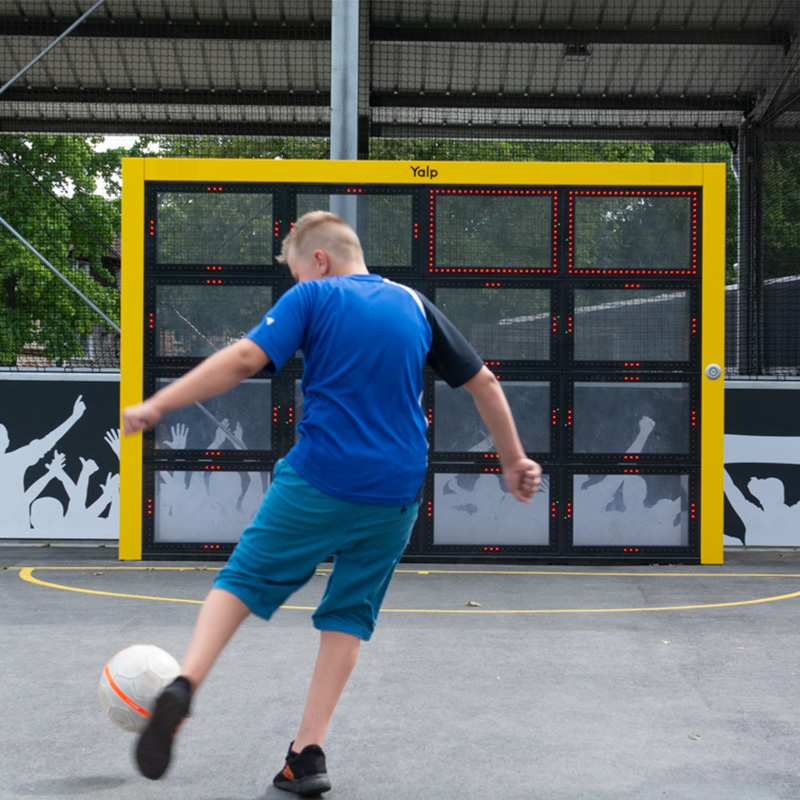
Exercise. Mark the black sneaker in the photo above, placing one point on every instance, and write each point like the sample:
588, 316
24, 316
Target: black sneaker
155, 744
305, 773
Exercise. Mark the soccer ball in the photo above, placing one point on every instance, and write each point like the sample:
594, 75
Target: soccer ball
132, 681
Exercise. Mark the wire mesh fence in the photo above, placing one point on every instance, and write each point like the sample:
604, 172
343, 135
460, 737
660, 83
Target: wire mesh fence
639, 81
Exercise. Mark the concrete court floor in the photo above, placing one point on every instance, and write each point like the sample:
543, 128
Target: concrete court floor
609, 683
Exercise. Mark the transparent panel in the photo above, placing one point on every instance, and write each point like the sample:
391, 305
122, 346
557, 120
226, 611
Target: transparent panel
384, 223
632, 325
492, 230
623, 510
196, 321
246, 411
213, 228
633, 233
476, 508
458, 425
631, 417
194, 506
501, 324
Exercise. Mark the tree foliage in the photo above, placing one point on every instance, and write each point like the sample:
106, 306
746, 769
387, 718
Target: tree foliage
782, 212
49, 194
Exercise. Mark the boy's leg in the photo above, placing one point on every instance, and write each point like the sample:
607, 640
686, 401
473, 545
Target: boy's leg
219, 617
305, 772
335, 661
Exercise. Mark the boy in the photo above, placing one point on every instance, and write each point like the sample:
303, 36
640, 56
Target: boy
349, 488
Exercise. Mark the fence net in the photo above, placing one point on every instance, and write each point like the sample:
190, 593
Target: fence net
641, 81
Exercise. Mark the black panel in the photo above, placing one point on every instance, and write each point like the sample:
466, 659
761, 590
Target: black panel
502, 231
632, 418
191, 318
637, 324
192, 508
634, 232
584, 302
469, 511
633, 511
507, 322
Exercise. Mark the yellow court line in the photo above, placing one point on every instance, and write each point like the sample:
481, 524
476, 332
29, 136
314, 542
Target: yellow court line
26, 573
549, 573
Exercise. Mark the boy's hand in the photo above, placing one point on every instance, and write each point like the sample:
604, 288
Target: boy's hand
141, 417
522, 478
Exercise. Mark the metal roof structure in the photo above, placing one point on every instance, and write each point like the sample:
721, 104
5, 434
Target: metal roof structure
504, 68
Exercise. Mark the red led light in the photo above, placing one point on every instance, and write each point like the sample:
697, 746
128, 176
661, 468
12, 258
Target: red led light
630, 549
430, 508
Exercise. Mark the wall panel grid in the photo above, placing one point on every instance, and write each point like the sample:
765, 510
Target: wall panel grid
583, 287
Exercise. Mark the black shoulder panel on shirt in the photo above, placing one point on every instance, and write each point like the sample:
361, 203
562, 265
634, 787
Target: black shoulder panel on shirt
451, 356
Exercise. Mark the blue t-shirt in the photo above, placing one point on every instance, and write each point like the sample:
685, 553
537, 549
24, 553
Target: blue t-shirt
365, 341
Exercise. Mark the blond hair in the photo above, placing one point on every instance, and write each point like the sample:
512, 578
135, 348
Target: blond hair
322, 230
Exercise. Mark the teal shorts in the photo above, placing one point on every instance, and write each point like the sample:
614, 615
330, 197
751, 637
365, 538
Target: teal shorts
295, 529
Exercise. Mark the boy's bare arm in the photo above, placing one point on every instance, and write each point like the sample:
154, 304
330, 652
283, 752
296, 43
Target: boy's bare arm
522, 475
216, 375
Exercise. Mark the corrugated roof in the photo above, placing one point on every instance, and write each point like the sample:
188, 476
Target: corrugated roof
588, 66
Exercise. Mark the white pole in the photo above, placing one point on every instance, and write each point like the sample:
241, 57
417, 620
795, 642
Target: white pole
344, 96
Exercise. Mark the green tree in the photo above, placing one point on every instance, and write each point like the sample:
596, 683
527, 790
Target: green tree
49, 192
782, 211
238, 147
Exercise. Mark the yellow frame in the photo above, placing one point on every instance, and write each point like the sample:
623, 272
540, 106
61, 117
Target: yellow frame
136, 172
